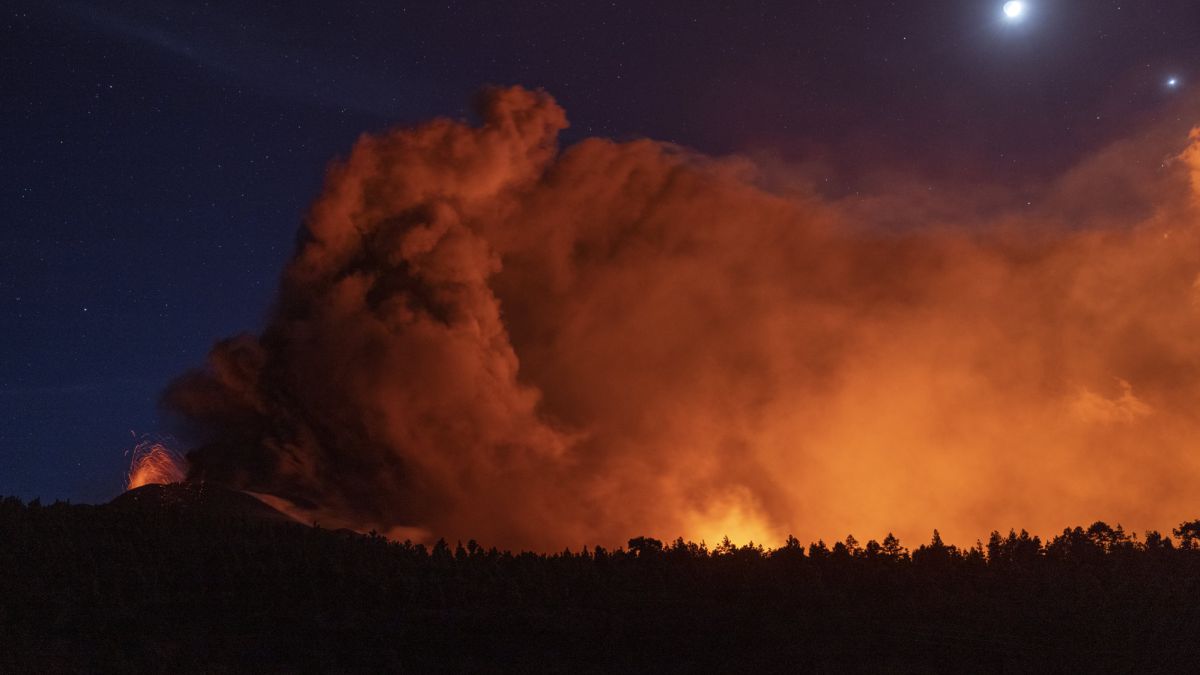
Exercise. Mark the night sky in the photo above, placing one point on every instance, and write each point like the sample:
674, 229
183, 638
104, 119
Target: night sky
158, 157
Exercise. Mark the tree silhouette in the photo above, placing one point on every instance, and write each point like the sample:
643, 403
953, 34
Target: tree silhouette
1189, 534
645, 546
182, 588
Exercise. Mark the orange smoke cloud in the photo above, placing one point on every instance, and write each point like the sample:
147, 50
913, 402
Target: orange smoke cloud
483, 336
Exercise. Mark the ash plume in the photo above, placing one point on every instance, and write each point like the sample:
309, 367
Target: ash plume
482, 335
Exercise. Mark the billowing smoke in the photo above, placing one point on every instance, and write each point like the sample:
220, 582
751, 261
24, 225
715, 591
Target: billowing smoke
482, 336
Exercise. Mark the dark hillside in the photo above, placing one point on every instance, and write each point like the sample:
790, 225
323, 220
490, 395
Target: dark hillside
167, 581
210, 499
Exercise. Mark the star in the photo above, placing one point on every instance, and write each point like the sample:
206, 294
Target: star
1014, 9
1173, 82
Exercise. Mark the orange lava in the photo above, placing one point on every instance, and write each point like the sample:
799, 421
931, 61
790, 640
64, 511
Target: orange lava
155, 464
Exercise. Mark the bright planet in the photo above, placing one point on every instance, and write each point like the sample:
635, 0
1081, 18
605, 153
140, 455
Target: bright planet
1014, 9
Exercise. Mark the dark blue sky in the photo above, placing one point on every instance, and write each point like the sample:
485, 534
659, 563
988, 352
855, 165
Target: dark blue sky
157, 157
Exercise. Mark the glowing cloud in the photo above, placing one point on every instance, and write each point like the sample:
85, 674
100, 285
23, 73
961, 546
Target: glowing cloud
483, 336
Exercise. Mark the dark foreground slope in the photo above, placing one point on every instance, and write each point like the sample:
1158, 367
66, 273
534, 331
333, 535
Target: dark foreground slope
204, 499
171, 584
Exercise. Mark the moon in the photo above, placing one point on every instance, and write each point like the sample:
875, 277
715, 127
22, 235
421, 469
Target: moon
1013, 9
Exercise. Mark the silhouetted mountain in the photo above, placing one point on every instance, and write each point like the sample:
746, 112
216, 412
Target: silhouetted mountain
206, 498
191, 578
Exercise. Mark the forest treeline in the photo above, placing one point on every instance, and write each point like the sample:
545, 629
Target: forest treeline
117, 588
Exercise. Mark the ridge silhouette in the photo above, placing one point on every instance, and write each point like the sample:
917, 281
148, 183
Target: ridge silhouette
196, 578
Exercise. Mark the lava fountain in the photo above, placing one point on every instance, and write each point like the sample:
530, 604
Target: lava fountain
153, 463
